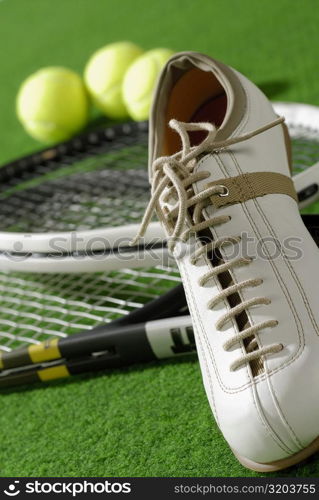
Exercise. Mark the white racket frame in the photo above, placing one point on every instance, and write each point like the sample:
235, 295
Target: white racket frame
38, 254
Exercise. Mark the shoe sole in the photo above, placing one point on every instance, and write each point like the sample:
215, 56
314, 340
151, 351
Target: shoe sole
279, 464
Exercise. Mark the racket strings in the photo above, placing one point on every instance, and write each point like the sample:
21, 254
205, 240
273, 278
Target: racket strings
33, 310
305, 146
78, 202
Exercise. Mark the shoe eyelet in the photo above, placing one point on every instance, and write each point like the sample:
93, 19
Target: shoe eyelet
225, 193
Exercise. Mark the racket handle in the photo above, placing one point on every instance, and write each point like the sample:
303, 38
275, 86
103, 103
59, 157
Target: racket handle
311, 222
151, 341
142, 342
125, 343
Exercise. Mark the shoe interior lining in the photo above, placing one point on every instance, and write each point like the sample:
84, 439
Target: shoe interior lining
206, 101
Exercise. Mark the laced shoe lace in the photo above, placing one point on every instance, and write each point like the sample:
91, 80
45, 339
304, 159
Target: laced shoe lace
174, 176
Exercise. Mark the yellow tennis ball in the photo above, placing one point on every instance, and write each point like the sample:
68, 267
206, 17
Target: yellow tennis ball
104, 75
52, 104
140, 80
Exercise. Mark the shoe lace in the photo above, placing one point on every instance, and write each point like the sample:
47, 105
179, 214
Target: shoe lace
174, 175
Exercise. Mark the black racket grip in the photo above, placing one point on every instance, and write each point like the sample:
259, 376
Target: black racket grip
125, 345
311, 222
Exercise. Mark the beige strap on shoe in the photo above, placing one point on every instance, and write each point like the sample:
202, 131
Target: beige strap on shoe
252, 185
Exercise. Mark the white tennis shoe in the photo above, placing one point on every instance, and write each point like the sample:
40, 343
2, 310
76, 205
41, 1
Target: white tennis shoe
221, 186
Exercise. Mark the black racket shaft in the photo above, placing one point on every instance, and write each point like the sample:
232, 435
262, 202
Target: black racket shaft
68, 368
312, 223
125, 336
130, 345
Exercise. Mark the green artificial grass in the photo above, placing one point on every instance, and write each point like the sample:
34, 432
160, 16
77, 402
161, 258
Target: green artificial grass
146, 420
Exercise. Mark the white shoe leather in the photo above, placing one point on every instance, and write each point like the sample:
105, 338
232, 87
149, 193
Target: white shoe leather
263, 390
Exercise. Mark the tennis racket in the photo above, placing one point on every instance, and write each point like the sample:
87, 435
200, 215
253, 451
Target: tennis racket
130, 339
75, 207
36, 307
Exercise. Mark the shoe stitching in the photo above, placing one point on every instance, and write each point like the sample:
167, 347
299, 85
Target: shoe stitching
217, 284
288, 264
240, 127
280, 282
273, 392
207, 369
269, 372
226, 303
284, 446
291, 269
256, 231
267, 379
289, 301
283, 417
264, 376
224, 387
253, 387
